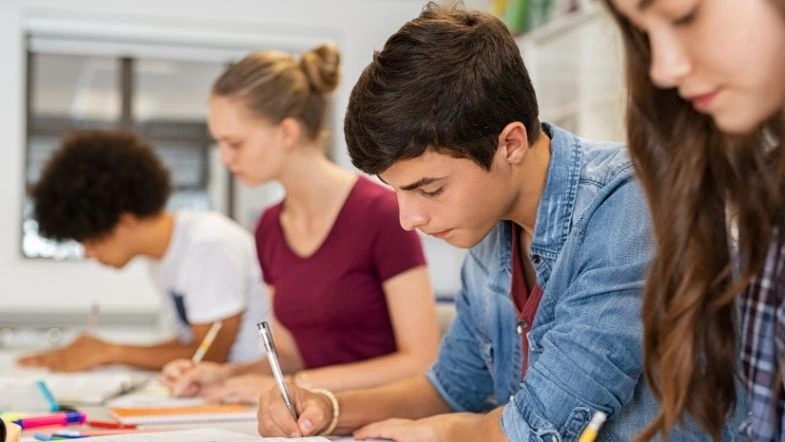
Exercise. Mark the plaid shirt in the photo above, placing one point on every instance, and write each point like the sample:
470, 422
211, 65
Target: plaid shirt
762, 314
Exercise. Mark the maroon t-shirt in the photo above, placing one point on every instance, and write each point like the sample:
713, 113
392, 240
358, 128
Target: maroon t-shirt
526, 303
332, 301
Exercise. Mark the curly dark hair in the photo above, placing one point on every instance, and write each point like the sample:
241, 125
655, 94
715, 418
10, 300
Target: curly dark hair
92, 179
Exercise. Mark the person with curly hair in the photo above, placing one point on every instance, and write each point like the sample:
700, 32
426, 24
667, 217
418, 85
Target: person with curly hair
108, 191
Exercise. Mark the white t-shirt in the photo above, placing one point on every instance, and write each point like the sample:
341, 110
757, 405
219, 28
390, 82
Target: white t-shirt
210, 272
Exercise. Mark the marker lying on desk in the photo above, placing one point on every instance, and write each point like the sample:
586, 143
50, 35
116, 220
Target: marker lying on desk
111, 425
71, 417
206, 342
591, 430
60, 436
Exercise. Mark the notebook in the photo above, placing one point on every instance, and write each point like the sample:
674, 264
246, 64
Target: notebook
200, 435
210, 435
183, 415
92, 388
153, 395
81, 388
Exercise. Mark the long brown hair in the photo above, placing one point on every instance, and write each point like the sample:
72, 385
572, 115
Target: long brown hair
698, 182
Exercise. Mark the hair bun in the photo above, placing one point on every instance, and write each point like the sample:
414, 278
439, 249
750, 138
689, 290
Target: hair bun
322, 67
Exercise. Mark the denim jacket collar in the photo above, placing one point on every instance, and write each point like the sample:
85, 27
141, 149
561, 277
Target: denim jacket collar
557, 202
558, 198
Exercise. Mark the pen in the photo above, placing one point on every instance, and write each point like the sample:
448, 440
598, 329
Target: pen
92, 319
590, 432
71, 417
272, 358
206, 342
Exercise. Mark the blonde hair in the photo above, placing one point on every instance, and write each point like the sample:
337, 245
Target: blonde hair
276, 85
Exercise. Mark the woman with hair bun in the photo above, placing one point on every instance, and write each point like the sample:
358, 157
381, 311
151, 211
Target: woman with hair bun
352, 302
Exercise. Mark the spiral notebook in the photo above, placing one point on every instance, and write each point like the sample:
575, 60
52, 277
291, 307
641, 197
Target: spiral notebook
183, 415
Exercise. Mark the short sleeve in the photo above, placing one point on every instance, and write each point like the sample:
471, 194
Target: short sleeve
214, 281
394, 249
262, 237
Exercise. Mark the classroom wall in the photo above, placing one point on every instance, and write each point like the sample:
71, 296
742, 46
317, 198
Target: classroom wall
358, 26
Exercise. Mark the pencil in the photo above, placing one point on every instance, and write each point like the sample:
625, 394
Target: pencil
92, 320
590, 432
206, 342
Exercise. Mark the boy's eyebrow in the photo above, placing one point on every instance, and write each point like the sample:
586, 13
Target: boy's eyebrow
421, 182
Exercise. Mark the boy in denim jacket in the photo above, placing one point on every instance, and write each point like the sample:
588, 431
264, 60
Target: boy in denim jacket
548, 326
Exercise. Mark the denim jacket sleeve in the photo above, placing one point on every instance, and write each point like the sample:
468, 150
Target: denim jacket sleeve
589, 356
459, 374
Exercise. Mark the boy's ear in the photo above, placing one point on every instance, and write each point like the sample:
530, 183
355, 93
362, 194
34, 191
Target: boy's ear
515, 142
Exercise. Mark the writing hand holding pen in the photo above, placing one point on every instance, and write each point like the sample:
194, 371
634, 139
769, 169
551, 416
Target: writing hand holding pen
186, 377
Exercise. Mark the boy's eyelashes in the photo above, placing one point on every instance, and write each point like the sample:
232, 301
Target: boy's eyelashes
432, 194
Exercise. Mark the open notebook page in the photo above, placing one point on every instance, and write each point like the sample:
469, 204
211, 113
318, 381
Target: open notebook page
200, 435
208, 435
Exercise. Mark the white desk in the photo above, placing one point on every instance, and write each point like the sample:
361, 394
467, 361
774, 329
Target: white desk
9, 368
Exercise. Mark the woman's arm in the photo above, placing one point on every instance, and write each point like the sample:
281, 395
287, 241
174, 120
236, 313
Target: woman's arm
412, 309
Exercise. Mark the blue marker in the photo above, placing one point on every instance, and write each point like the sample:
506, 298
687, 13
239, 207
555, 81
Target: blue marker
60, 436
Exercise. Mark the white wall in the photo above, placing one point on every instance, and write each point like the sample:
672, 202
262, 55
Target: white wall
357, 26
576, 66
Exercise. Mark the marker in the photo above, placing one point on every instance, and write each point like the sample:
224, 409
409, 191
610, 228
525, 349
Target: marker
206, 342
71, 417
110, 424
59, 436
590, 432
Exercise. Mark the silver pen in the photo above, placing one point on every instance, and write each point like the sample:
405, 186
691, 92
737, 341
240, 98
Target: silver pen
272, 358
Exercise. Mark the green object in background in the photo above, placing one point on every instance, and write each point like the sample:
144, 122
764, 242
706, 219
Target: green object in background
517, 17
525, 15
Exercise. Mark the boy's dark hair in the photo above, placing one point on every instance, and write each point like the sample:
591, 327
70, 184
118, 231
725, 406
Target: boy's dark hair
449, 80
92, 179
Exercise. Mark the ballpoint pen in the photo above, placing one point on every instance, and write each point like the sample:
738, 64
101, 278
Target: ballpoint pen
272, 358
92, 319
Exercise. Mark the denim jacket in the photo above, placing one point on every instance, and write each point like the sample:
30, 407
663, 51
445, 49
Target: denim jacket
590, 249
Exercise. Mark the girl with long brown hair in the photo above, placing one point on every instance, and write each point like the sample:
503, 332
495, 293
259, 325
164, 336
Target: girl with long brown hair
706, 83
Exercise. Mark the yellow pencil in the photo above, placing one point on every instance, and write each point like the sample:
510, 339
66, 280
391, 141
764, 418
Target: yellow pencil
206, 342
591, 430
